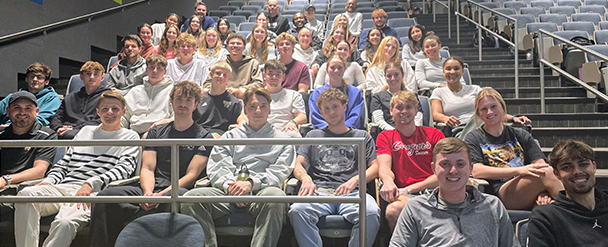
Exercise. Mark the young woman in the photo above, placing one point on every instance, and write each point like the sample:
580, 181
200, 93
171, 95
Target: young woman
145, 34
195, 28
387, 52
343, 22
303, 52
353, 115
210, 49
372, 41
337, 34
167, 46
258, 46
263, 19
353, 74
223, 27
429, 71
380, 106
508, 157
412, 51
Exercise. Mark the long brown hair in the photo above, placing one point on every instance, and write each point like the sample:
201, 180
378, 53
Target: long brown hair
331, 44
164, 42
265, 43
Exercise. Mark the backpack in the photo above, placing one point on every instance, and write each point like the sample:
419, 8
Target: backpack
487, 40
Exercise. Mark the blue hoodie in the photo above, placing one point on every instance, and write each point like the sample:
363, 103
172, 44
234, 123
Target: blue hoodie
48, 102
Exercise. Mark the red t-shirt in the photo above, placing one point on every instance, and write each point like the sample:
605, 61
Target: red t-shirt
411, 155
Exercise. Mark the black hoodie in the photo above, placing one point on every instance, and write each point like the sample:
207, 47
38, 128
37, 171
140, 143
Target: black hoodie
78, 109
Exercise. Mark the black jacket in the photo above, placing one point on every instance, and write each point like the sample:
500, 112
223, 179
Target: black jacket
78, 109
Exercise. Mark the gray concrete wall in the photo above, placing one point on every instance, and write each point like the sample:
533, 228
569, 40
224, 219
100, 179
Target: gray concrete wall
72, 42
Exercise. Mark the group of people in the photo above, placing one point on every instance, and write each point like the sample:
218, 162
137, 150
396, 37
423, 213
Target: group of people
196, 81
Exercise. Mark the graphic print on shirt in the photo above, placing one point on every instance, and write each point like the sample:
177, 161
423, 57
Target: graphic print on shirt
336, 158
422, 148
509, 154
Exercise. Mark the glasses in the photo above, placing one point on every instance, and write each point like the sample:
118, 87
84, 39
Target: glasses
39, 77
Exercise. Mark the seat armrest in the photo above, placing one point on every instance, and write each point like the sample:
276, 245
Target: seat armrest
123, 182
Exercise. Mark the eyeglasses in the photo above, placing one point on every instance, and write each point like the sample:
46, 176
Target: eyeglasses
39, 77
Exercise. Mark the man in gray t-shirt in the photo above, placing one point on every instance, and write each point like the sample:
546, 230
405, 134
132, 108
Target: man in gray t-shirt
333, 171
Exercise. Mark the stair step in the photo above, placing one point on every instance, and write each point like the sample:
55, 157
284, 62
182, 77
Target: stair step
534, 92
552, 105
509, 81
508, 71
568, 119
601, 160
506, 63
592, 136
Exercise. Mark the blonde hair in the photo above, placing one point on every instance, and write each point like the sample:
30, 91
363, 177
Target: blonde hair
404, 96
380, 60
204, 45
331, 44
492, 93
90, 65
265, 43
222, 64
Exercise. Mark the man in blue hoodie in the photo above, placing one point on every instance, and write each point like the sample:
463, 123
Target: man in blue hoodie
37, 77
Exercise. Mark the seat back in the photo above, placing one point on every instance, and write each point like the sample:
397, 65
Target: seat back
579, 26
427, 116
603, 49
603, 25
113, 60
75, 83
566, 10
568, 35
219, 13
467, 76
254, 8
235, 19
246, 26
573, 3
403, 30
367, 24
262, 4
396, 14
162, 229
547, 26
229, 8
521, 232
245, 13
523, 19
237, 3
554, 18
401, 22
516, 5
535, 11
597, 2
545, 4
600, 9
595, 18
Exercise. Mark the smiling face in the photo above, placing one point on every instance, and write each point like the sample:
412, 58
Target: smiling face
171, 20
332, 111
375, 37
195, 24
379, 21
145, 34
351, 6
171, 34
335, 70
452, 171
577, 175
339, 34
223, 27
310, 13
220, 76
211, 37
490, 111
201, 10
403, 113
285, 48
416, 34
452, 70
236, 46
36, 82
186, 50
305, 38
390, 49
22, 113
431, 48
343, 50
110, 111
262, 19
343, 21
299, 20
394, 77
259, 34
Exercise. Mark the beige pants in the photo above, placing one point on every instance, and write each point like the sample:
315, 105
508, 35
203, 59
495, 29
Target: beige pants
63, 229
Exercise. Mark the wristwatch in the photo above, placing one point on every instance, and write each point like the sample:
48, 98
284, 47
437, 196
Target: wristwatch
7, 178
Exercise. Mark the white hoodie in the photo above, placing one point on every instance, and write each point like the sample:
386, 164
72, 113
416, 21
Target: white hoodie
147, 104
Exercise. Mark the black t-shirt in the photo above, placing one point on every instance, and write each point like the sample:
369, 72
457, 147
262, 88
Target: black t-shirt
333, 165
513, 148
14, 160
217, 112
162, 173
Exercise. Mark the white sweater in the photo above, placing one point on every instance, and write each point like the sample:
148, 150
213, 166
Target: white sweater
375, 78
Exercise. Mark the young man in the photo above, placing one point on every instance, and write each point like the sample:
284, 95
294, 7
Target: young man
159, 28
200, 9
287, 110
78, 108
185, 67
297, 77
108, 219
37, 77
579, 215
246, 72
299, 22
149, 103
268, 165
379, 17
355, 19
334, 170
455, 214
218, 109
129, 71
83, 171
26, 163
315, 26
405, 156
276, 23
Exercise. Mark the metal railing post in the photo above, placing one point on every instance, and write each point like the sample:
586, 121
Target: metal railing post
434, 11
174, 177
542, 74
515, 42
479, 32
457, 22
449, 19
362, 195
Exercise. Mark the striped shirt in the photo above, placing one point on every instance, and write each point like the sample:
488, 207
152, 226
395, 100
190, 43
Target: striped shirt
96, 165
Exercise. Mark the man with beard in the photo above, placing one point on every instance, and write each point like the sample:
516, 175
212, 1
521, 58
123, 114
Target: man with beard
200, 9
23, 163
405, 155
579, 214
355, 19
129, 71
300, 21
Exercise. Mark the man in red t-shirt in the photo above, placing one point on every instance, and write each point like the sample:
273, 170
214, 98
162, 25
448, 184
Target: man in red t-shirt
405, 155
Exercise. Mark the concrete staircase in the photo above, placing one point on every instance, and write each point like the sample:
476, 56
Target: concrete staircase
569, 113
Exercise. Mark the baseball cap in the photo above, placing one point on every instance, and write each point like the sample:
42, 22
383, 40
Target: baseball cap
23, 94
308, 6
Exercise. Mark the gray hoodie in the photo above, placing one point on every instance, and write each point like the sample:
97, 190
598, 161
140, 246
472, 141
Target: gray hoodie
147, 104
124, 77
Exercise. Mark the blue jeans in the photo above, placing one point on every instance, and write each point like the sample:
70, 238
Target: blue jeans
304, 218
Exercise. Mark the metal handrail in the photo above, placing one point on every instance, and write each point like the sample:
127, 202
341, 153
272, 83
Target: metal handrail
562, 72
480, 27
58, 24
176, 198
447, 6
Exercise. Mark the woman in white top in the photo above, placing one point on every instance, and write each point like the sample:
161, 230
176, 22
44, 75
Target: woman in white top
412, 51
259, 47
303, 52
387, 52
353, 74
210, 49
